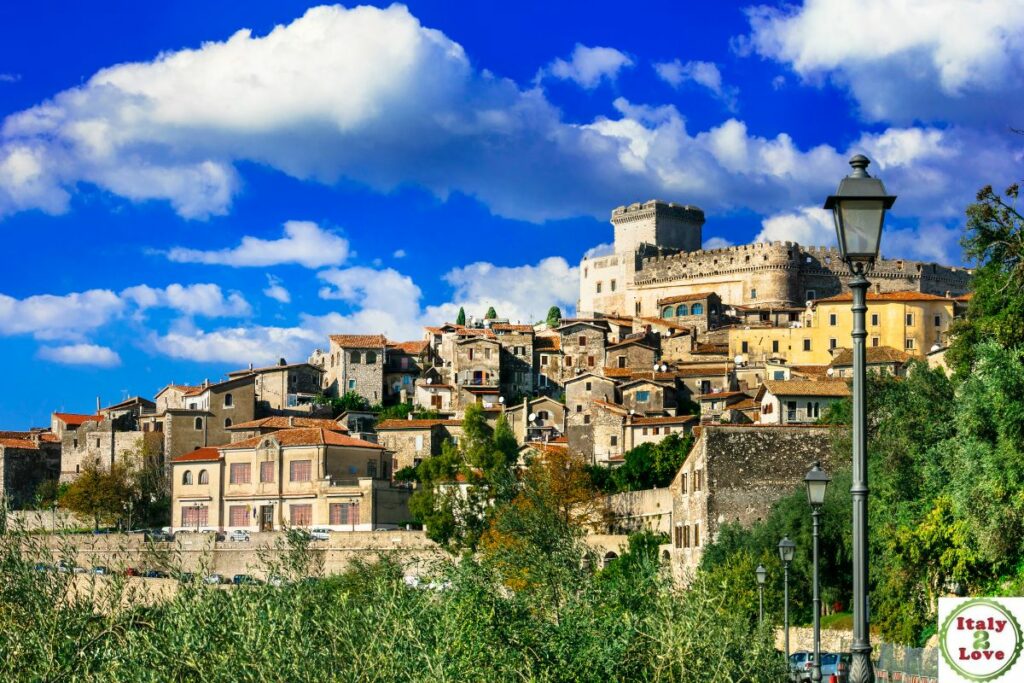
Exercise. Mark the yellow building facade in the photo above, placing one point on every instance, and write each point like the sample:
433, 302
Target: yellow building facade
909, 321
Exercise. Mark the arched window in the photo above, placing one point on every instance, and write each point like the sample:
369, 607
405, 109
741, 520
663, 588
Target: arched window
667, 313
681, 310
371, 357
204, 477
227, 422
187, 477
199, 423
229, 400
697, 309
355, 357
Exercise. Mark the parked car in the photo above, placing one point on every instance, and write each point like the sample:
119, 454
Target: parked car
214, 579
277, 581
836, 664
131, 571
239, 536
155, 574
40, 567
320, 534
799, 669
245, 580
186, 577
100, 570
158, 535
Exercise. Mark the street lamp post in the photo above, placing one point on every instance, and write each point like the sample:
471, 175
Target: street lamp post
816, 481
195, 507
787, 549
858, 208
762, 574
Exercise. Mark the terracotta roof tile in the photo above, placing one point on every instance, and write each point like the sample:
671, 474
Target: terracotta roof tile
547, 344
884, 296
674, 419
208, 454
701, 370
416, 424
304, 437
76, 419
696, 296
614, 407
875, 354
413, 348
281, 422
803, 387
359, 341
20, 443
506, 327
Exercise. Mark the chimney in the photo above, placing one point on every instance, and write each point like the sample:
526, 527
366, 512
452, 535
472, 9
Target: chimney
409, 416
282, 362
206, 383
291, 421
97, 405
250, 367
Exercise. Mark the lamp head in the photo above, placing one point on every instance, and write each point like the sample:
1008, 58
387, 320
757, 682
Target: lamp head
858, 209
761, 573
787, 550
817, 481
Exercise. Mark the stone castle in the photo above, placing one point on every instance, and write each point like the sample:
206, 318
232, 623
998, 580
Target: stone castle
657, 254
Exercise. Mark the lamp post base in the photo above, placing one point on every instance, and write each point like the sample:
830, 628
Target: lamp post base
861, 668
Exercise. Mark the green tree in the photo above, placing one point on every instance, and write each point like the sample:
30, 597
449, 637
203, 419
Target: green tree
460, 319
554, 317
491, 314
98, 493
646, 466
350, 400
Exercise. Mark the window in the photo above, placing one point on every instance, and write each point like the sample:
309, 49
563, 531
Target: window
813, 409
697, 480
679, 537
579, 408
354, 357
227, 422
351, 384
267, 471
204, 477
543, 360
667, 313
622, 361
598, 287
404, 362
686, 536
643, 396
301, 515
75, 442
791, 410
371, 357
682, 310
656, 431
590, 361
199, 424
238, 515
832, 343
614, 441
807, 344
832, 319
343, 513
586, 419
613, 285
874, 341
697, 309
682, 481
744, 347
568, 361
471, 354
487, 354
637, 308
186, 478
811, 294
696, 535
587, 386
582, 341
300, 470
910, 319
909, 344
419, 443
775, 346
97, 443
938, 320
194, 516
240, 473
874, 320
229, 401
644, 431
371, 468
753, 294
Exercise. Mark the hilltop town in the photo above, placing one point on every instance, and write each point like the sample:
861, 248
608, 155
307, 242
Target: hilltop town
742, 349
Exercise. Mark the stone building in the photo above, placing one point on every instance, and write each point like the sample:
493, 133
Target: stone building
517, 375
636, 354
433, 394
547, 351
798, 401
881, 359
734, 474
62, 423
301, 478
404, 364
581, 394
285, 388
697, 310
104, 443
411, 441
582, 345
547, 423
268, 425
27, 459
646, 396
657, 254
476, 362
355, 363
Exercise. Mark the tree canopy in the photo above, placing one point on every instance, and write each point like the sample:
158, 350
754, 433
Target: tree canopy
554, 318
491, 314
460, 319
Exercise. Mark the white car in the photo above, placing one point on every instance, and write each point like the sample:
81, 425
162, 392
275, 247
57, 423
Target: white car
320, 534
239, 536
213, 579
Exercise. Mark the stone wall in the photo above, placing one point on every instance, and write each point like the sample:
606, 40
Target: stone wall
647, 509
589, 356
22, 470
96, 442
633, 356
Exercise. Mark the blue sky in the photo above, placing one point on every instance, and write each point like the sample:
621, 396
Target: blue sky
188, 187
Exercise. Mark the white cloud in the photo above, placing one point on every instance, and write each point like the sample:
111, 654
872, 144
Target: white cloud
938, 60
9, 78
588, 66
304, 243
246, 344
198, 299
603, 249
81, 354
276, 291
522, 293
706, 74
809, 226
399, 253
716, 243
48, 316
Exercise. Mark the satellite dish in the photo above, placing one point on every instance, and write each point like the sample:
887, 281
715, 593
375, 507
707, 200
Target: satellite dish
830, 372
531, 417
738, 360
501, 399
430, 380
655, 367
632, 412
664, 368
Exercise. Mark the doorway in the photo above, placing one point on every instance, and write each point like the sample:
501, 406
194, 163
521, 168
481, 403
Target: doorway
266, 518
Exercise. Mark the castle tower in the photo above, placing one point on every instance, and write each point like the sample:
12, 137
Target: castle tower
658, 223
